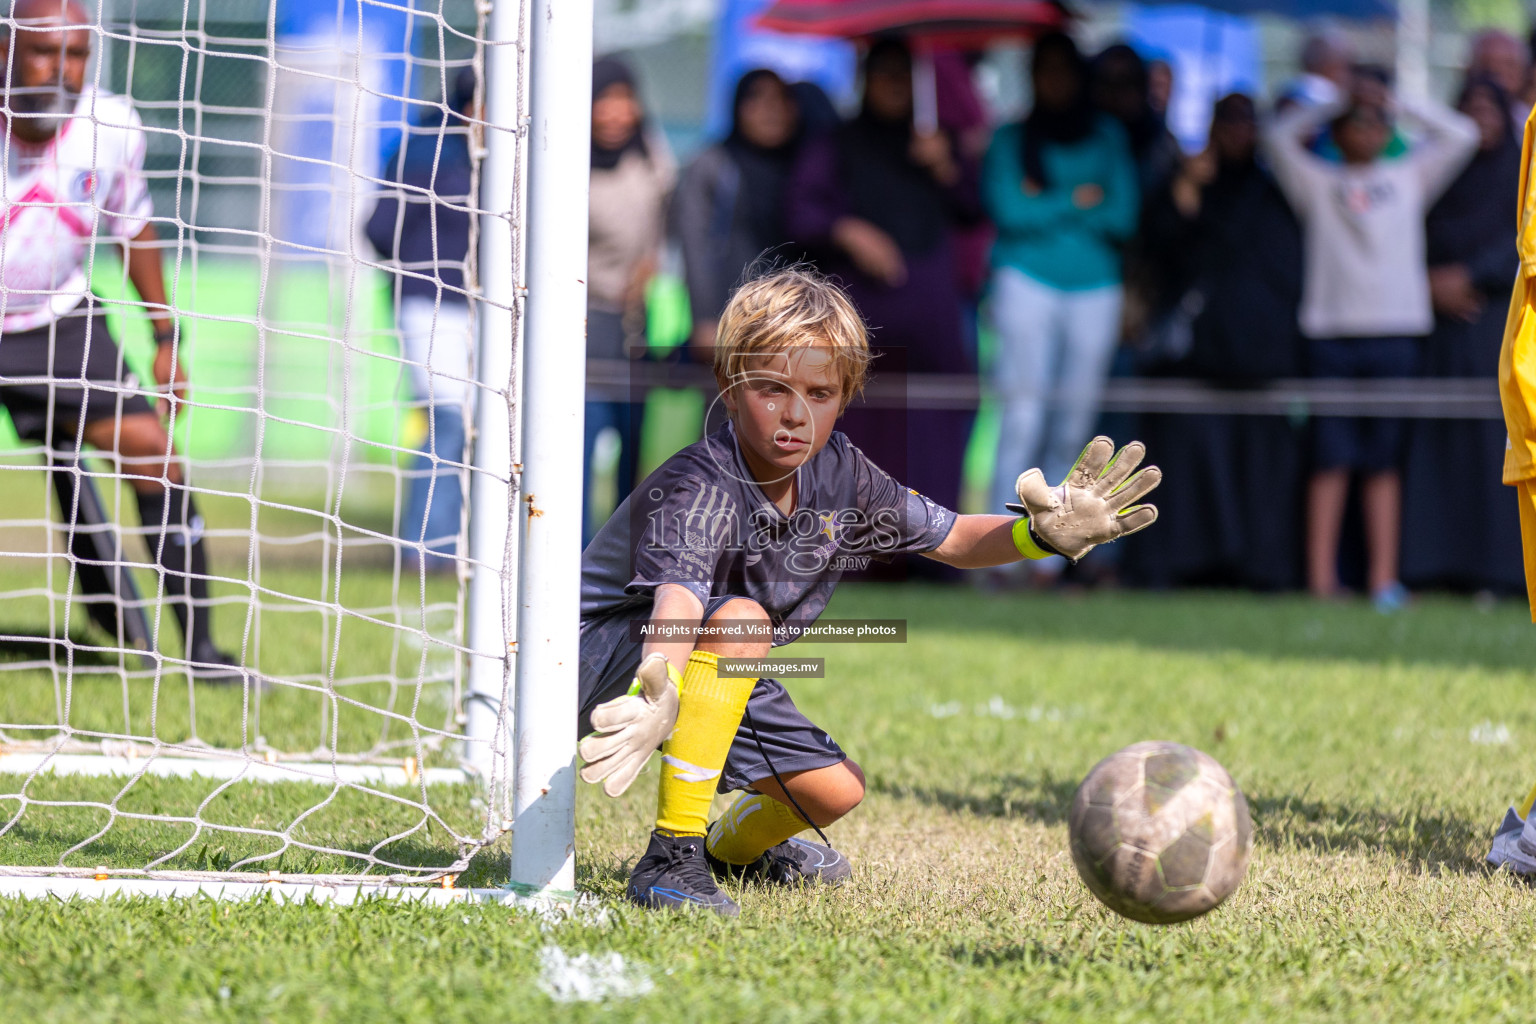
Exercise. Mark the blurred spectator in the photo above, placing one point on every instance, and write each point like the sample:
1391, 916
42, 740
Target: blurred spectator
1122, 89
1159, 86
1233, 254
1327, 59
1371, 86
1502, 59
1229, 237
1365, 304
424, 227
729, 207
1061, 188
1471, 269
876, 204
818, 116
1119, 87
963, 116
962, 112
1527, 94
632, 177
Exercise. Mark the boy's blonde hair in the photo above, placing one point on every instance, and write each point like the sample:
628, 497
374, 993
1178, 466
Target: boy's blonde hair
792, 308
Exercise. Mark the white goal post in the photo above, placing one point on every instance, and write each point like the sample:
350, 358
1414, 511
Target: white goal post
371, 219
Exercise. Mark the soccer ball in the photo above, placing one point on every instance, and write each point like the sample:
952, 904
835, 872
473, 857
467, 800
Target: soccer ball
1160, 832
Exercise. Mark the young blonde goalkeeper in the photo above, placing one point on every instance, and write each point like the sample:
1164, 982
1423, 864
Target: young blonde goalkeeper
733, 547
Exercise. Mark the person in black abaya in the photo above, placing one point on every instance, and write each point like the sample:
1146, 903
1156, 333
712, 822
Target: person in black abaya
1471, 542
728, 210
1122, 89
875, 203
1230, 251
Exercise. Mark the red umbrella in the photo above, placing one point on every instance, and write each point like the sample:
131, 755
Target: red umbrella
963, 24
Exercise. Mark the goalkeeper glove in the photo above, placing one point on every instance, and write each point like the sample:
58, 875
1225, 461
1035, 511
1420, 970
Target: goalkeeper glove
628, 728
1094, 505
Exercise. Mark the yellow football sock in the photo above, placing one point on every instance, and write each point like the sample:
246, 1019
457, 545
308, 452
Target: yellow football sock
1525, 805
709, 710
752, 825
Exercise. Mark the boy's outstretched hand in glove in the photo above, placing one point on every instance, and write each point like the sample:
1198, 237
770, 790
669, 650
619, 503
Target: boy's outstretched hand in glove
627, 729
1095, 504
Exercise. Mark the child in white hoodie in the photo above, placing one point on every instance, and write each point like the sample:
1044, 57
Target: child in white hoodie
1365, 302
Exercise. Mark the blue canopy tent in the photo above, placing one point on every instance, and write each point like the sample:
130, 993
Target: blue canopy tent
1300, 10
1411, 18
1213, 46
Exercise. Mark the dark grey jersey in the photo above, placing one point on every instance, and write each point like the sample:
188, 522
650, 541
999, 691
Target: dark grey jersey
701, 521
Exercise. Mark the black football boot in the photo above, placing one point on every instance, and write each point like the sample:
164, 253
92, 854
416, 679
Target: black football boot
792, 862
674, 875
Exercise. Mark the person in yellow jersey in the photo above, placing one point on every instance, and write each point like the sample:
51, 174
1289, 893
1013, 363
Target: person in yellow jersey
1514, 846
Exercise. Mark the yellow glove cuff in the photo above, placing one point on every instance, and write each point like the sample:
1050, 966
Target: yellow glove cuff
1025, 541
673, 674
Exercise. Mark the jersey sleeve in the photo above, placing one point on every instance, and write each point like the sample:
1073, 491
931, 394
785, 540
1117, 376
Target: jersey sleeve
1517, 354
126, 207
892, 519
681, 530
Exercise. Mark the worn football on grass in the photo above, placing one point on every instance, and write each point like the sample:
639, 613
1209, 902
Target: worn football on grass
1160, 832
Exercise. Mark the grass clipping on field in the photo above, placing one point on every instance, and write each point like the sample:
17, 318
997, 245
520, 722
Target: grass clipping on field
1377, 755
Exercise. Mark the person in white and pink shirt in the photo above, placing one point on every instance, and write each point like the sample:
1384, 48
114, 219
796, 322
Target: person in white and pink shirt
74, 176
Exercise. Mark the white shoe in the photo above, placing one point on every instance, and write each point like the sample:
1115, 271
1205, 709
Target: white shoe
1514, 845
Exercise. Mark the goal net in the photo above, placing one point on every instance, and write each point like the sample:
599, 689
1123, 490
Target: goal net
313, 174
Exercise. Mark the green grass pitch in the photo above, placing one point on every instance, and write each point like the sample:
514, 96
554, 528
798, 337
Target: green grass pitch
1377, 754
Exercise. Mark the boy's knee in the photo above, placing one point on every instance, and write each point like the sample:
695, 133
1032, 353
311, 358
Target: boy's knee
849, 792
830, 793
740, 628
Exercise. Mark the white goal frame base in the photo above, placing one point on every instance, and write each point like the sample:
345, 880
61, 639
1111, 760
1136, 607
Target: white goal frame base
222, 766
549, 902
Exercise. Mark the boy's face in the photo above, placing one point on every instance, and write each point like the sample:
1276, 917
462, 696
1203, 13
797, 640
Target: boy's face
784, 407
1362, 134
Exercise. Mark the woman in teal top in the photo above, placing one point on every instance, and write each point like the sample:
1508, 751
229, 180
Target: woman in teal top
1061, 188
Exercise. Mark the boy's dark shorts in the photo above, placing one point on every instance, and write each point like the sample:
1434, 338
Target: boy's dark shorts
1371, 444
792, 742
86, 377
